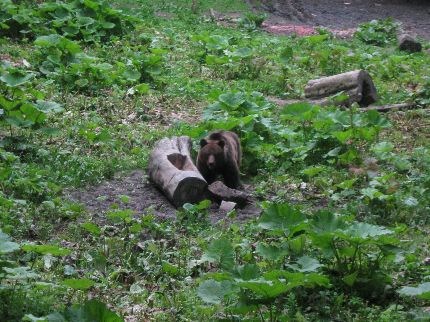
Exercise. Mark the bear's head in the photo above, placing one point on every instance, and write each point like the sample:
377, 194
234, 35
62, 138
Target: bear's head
212, 153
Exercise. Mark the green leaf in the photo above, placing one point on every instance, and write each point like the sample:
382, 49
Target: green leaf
282, 217
220, 251
326, 222
264, 288
365, 230
32, 318
47, 249
214, 292
170, 269
242, 52
142, 88
247, 272
132, 74
233, 100
422, 291
16, 77
270, 252
306, 264
383, 147
92, 228
79, 284
20, 273
47, 106
8, 247
92, 310
350, 279
298, 111
316, 39
286, 55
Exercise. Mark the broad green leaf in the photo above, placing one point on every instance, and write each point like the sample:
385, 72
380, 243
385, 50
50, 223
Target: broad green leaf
47, 106
298, 279
142, 88
298, 111
316, 38
47, 249
383, 147
326, 222
16, 77
20, 273
286, 55
312, 171
132, 74
92, 310
306, 264
422, 291
213, 292
220, 251
233, 100
270, 252
282, 217
92, 228
242, 52
8, 247
264, 288
247, 272
170, 269
365, 230
32, 318
350, 279
79, 284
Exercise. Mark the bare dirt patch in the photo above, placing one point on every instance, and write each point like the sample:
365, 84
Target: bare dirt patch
343, 16
144, 198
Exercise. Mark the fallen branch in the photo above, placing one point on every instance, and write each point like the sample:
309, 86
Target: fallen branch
391, 107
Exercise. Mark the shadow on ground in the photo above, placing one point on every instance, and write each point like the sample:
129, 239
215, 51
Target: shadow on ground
143, 198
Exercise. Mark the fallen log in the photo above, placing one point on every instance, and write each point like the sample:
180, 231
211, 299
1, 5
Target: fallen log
172, 170
357, 85
219, 192
391, 107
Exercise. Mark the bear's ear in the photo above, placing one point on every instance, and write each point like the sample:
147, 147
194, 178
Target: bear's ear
203, 142
221, 143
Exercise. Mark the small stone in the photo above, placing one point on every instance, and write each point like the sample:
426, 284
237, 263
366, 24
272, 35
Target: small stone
227, 206
409, 43
219, 192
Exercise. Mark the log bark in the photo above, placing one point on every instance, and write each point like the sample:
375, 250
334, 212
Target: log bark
391, 107
357, 85
173, 171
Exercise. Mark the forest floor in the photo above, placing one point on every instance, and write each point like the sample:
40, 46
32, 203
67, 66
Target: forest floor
343, 16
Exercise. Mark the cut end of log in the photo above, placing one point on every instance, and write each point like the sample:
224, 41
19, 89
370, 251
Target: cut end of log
189, 190
409, 43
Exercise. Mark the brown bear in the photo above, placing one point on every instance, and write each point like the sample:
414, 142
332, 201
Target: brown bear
220, 154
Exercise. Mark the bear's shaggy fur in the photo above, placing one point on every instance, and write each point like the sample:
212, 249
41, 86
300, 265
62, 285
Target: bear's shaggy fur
220, 154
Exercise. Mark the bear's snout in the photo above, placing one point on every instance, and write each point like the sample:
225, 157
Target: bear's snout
211, 162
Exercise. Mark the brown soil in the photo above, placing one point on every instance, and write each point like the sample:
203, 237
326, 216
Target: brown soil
144, 198
344, 15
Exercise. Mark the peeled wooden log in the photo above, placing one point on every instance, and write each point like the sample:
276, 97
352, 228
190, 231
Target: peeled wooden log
173, 171
357, 85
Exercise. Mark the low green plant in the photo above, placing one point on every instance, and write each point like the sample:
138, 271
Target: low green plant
378, 32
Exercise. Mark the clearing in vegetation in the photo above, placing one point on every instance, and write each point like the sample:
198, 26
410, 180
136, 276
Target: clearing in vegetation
88, 87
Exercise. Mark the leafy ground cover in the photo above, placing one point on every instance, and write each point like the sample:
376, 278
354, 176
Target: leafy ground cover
85, 91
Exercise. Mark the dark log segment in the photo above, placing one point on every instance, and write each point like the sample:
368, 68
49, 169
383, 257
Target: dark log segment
173, 171
357, 85
219, 192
